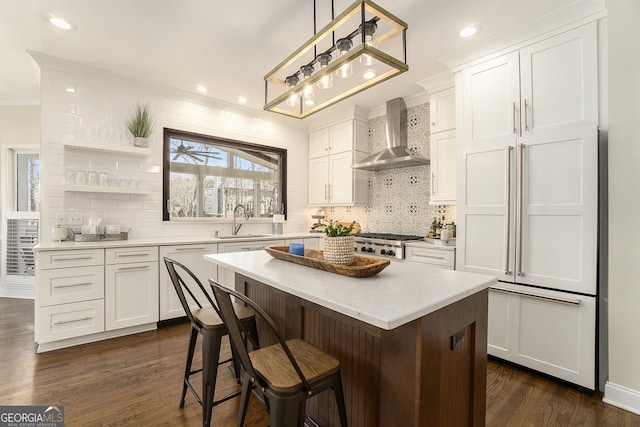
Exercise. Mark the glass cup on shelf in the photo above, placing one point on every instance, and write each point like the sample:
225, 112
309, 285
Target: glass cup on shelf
70, 177
123, 182
113, 182
92, 178
133, 183
103, 179
142, 184
81, 177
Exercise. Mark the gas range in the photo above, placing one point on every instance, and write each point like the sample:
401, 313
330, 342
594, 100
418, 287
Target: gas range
384, 245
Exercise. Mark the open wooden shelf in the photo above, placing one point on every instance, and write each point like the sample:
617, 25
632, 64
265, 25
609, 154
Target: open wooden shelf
114, 149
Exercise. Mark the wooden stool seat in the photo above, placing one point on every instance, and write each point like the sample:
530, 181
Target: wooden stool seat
272, 364
209, 319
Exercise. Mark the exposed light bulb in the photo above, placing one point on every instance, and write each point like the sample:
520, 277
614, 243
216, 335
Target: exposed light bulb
325, 82
306, 72
291, 81
292, 101
368, 29
343, 46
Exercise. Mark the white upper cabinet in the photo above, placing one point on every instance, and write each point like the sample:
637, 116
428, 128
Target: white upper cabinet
332, 151
548, 86
442, 111
442, 120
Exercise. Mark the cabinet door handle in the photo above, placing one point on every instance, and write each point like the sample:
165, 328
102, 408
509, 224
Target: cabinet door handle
132, 255
191, 249
572, 301
519, 271
330, 191
144, 267
72, 285
80, 258
433, 183
507, 211
515, 130
419, 255
64, 322
526, 122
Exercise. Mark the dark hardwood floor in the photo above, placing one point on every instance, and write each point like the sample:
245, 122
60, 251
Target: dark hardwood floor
136, 380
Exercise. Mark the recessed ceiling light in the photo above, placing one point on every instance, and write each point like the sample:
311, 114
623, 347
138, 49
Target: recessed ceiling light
369, 75
309, 101
469, 30
201, 88
61, 23
242, 100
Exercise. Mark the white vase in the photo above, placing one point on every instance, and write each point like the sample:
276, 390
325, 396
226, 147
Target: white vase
339, 250
141, 142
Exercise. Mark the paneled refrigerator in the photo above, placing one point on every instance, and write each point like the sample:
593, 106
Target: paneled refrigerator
527, 207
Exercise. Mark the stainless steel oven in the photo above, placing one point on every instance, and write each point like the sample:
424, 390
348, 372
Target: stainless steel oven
383, 245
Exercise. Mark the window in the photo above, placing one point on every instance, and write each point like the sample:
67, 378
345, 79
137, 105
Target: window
28, 182
207, 177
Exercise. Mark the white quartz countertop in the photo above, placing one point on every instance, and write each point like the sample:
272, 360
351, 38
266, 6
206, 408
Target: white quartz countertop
401, 293
165, 241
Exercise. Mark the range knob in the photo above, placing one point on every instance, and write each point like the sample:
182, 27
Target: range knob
383, 252
390, 252
363, 249
370, 250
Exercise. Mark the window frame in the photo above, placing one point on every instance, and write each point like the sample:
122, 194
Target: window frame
169, 133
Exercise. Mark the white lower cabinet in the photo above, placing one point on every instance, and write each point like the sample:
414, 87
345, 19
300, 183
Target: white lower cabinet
227, 277
131, 287
59, 322
443, 257
69, 294
191, 256
549, 331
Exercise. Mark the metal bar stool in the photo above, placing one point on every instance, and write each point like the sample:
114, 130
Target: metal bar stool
285, 374
206, 320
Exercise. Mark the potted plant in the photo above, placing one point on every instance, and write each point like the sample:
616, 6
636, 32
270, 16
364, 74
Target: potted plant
338, 242
141, 125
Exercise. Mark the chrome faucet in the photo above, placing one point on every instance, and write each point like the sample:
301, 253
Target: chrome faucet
245, 212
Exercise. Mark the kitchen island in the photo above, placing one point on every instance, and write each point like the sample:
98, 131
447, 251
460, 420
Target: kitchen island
412, 340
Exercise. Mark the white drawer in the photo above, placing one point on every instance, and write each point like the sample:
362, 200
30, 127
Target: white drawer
60, 286
59, 322
225, 248
435, 257
128, 255
69, 258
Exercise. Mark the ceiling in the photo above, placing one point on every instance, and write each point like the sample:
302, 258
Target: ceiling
228, 46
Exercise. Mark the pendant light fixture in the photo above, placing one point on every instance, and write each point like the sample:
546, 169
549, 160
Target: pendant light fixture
345, 48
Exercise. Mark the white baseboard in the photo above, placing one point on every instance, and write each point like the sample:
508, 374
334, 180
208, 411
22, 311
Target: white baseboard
622, 397
9, 290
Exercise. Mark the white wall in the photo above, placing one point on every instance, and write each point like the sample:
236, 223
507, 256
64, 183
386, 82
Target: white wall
20, 125
623, 387
71, 92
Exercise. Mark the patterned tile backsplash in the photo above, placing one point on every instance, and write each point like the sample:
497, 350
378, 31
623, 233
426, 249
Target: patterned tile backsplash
398, 198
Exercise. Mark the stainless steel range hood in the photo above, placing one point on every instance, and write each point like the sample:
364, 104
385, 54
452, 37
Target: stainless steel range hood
396, 155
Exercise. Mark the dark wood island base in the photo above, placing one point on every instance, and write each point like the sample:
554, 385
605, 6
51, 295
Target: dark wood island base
428, 372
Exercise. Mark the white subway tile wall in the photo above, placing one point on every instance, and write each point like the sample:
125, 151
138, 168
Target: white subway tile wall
81, 104
398, 198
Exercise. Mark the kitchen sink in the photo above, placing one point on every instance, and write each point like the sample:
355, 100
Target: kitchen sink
240, 236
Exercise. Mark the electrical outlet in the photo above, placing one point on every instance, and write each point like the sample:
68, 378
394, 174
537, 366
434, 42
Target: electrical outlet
69, 220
